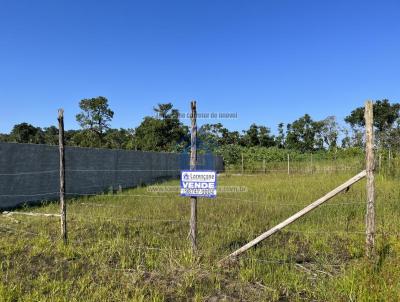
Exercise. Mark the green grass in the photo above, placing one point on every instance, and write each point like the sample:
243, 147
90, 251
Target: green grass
135, 248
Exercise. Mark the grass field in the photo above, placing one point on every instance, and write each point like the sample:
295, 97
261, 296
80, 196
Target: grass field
134, 246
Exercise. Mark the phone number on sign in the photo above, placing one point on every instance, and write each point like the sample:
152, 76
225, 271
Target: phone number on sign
198, 191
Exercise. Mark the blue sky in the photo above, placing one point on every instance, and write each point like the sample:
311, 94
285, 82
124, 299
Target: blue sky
269, 61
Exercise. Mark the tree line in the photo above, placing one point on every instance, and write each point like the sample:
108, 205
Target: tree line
165, 131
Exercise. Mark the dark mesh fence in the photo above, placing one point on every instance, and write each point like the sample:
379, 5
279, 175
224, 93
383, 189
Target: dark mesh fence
30, 172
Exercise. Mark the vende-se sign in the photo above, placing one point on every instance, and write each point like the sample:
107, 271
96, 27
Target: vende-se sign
199, 183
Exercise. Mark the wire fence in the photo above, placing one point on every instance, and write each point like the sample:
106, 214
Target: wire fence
82, 217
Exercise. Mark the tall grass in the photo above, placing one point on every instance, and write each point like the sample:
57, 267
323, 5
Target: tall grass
134, 247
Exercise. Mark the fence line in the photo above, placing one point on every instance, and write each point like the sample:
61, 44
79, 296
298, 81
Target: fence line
266, 202
160, 170
208, 224
150, 219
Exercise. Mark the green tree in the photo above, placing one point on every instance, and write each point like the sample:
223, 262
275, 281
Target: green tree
26, 133
330, 132
280, 139
214, 135
4, 137
385, 117
231, 137
304, 134
257, 136
69, 137
265, 138
86, 138
51, 135
95, 116
250, 137
119, 138
162, 133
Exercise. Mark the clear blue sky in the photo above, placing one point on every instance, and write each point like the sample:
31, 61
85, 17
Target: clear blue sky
269, 61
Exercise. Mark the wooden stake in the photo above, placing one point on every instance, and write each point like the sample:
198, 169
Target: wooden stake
369, 150
193, 162
312, 170
63, 206
264, 168
288, 164
296, 216
242, 164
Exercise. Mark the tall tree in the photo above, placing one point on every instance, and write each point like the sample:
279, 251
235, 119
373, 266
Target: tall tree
163, 133
304, 134
330, 132
95, 115
265, 138
280, 139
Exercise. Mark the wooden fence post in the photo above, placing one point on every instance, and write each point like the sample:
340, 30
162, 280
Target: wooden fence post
242, 163
369, 155
193, 162
63, 206
288, 164
264, 168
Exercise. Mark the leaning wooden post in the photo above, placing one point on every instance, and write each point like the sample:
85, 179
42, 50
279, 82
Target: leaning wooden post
369, 152
296, 216
193, 162
62, 176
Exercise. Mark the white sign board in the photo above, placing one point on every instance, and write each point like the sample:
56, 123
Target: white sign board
199, 183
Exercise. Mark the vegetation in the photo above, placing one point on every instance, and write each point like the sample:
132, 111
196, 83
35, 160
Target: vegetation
386, 122
165, 132
133, 246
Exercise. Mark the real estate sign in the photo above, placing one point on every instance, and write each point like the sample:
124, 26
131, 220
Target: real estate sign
199, 183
